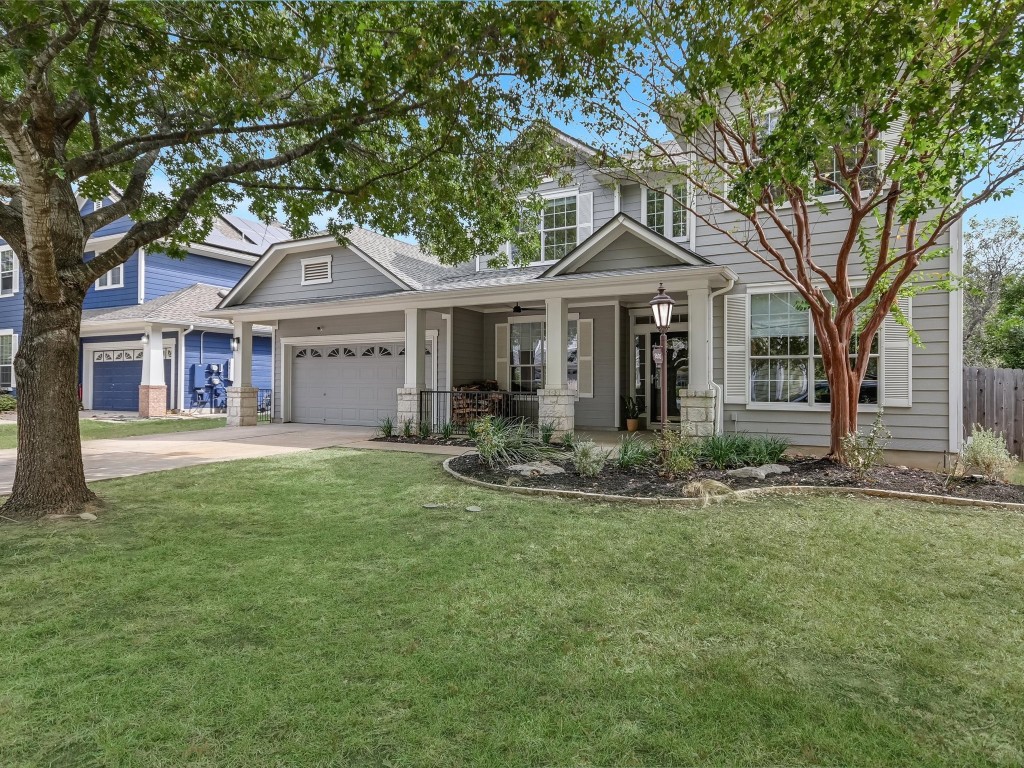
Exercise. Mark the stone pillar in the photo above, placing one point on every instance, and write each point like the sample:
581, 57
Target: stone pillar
697, 411
415, 368
153, 388
408, 406
242, 402
557, 406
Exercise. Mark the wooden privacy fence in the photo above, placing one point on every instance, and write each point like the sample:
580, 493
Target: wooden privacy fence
994, 398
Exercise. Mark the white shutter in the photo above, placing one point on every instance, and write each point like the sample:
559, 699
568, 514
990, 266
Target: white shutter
501, 355
585, 357
584, 216
14, 351
16, 277
737, 348
896, 360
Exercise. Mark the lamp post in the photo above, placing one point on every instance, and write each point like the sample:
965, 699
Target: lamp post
662, 305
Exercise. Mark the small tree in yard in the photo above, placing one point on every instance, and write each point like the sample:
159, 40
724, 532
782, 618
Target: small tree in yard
412, 118
993, 258
909, 113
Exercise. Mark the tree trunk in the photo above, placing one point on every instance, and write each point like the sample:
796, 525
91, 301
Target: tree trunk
50, 477
845, 398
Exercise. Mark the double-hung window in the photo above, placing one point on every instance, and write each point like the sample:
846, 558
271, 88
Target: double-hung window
665, 211
785, 360
6, 361
112, 279
558, 227
8, 272
830, 169
528, 355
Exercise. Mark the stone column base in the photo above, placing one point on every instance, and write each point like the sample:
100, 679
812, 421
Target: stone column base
152, 400
242, 402
558, 408
408, 408
697, 412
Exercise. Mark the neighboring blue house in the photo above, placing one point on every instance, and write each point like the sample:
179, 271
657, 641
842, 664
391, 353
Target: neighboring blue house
154, 296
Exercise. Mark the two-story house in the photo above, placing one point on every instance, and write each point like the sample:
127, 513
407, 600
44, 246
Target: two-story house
152, 304
377, 329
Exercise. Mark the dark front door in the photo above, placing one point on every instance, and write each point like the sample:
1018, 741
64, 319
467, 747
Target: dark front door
678, 374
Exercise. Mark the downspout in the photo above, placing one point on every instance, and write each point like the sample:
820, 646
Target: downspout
184, 357
719, 392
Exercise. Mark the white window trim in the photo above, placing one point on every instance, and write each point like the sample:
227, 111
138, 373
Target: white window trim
836, 197
554, 194
111, 285
805, 407
540, 318
15, 273
14, 351
691, 217
316, 260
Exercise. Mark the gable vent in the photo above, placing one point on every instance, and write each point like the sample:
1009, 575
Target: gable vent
316, 270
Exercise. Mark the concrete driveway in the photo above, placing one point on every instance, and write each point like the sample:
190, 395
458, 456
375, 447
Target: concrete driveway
128, 456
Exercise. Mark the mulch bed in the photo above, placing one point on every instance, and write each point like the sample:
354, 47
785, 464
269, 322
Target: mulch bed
458, 442
814, 472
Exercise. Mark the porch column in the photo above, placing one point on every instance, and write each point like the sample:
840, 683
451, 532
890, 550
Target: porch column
415, 367
697, 403
556, 402
153, 388
242, 395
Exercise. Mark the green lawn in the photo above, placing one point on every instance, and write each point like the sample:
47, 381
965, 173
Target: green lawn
307, 610
95, 430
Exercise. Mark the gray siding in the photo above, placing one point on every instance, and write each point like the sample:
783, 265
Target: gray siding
583, 177
383, 322
351, 276
627, 251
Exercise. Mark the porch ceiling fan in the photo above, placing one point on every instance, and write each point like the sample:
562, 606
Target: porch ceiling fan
518, 310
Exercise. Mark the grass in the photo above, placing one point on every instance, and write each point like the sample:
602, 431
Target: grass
1018, 474
96, 430
306, 610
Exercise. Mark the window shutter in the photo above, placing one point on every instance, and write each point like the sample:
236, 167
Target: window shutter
896, 360
584, 216
501, 355
16, 278
737, 348
585, 358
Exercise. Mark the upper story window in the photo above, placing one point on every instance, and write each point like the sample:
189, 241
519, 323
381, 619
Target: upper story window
558, 227
112, 279
665, 211
8, 272
316, 270
832, 171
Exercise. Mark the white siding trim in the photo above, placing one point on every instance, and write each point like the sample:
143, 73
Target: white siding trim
955, 332
585, 354
87, 362
142, 275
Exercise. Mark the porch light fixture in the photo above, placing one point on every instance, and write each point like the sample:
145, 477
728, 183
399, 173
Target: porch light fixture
235, 343
145, 338
662, 305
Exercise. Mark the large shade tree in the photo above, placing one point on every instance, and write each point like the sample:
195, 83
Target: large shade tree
905, 114
412, 118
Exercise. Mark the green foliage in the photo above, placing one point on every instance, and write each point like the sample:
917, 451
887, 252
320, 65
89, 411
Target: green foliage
588, 458
447, 430
676, 452
1004, 333
547, 431
501, 442
737, 449
862, 452
993, 257
386, 428
631, 407
472, 429
424, 429
407, 428
985, 453
568, 439
7, 403
636, 452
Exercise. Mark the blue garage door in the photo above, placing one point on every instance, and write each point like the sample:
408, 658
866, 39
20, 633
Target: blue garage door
116, 375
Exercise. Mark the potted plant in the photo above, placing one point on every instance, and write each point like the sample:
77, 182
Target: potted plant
632, 409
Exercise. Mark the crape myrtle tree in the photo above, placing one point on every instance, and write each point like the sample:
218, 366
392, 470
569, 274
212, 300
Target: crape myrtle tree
904, 115
411, 118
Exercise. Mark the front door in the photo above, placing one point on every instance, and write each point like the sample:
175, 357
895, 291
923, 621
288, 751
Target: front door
678, 373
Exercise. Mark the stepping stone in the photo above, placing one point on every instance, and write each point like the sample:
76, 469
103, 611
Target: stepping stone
473, 509
87, 516
433, 506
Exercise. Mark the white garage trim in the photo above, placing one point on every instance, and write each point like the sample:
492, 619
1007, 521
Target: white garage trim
287, 359
95, 346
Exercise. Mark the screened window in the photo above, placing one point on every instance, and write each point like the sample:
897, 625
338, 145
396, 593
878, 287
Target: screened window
785, 362
558, 227
528, 352
7, 286
6, 361
112, 279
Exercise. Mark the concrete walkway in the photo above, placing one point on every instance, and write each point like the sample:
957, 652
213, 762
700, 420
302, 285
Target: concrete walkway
127, 456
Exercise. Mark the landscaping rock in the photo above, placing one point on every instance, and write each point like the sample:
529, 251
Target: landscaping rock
774, 469
473, 509
87, 516
755, 473
536, 468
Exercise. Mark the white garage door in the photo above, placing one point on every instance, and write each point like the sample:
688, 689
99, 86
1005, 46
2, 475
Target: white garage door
352, 384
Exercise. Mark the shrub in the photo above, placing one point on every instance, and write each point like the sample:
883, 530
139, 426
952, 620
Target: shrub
447, 430
504, 442
7, 403
765, 449
547, 431
725, 451
568, 439
676, 452
471, 429
986, 454
588, 458
424, 429
386, 428
862, 451
407, 428
635, 452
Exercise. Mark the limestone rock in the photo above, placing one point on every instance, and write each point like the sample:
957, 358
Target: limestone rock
755, 473
535, 468
87, 516
774, 469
